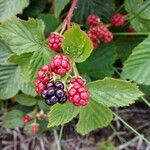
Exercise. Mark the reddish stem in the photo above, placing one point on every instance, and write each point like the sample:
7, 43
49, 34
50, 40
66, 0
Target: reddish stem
69, 15
67, 21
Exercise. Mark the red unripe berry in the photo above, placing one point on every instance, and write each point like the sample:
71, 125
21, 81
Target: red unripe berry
39, 86
60, 64
78, 93
34, 127
26, 119
45, 74
103, 33
117, 20
55, 42
93, 20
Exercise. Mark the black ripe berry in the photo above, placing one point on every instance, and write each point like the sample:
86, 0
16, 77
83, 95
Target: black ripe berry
54, 92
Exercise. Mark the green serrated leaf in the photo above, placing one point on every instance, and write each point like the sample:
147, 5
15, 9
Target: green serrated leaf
28, 89
9, 81
77, 44
9, 8
13, 119
38, 59
104, 9
43, 106
93, 116
125, 44
23, 61
113, 92
59, 5
51, 22
26, 100
61, 114
23, 36
139, 11
4, 52
136, 67
31, 62
100, 63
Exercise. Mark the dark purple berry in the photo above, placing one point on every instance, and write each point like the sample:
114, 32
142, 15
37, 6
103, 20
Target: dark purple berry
50, 84
59, 93
44, 94
51, 101
63, 99
51, 92
59, 84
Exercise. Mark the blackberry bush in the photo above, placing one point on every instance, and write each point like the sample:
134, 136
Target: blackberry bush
49, 73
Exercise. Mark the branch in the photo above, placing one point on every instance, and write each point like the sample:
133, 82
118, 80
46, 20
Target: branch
69, 15
67, 21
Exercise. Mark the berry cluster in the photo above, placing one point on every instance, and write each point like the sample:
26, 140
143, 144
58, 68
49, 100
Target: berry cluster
98, 31
60, 64
78, 93
117, 20
36, 117
55, 42
54, 92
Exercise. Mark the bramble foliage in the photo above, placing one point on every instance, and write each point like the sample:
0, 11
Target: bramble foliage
24, 28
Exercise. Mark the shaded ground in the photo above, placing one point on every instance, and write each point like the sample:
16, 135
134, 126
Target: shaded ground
138, 116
